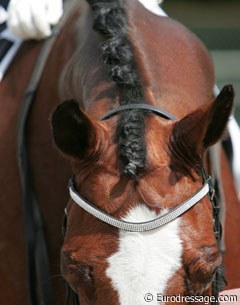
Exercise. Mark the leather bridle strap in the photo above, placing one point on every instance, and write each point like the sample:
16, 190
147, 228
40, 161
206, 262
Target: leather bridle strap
149, 108
38, 269
140, 226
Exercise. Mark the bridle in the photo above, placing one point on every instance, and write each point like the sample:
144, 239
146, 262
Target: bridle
138, 226
172, 214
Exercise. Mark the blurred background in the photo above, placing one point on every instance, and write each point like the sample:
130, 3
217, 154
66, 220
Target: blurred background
217, 23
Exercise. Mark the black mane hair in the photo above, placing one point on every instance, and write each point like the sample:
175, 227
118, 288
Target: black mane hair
111, 21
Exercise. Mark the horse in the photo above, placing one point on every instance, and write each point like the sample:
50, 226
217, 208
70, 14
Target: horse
139, 166
134, 166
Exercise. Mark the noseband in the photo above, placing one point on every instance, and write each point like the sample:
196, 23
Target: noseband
177, 211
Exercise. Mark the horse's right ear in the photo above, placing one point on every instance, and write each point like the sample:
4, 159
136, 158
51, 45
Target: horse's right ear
74, 133
197, 131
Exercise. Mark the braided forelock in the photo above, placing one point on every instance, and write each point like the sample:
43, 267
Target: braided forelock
111, 21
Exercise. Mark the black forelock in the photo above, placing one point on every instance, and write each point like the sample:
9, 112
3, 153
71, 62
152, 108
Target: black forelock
111, 21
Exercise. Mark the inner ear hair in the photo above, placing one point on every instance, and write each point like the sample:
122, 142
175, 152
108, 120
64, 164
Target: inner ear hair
194, 133
75, 134
220, 113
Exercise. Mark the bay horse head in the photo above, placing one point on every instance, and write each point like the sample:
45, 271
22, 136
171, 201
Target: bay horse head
137, 167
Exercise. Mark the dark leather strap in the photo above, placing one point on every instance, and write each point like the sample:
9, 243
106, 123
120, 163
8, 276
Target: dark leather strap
150, 108
37, 258
219, 282
71, 296
38, 269
5, 45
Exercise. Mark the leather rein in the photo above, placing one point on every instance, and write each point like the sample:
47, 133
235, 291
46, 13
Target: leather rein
38, 267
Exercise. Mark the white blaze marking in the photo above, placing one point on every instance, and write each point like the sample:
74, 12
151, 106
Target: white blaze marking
153, 6
145, 261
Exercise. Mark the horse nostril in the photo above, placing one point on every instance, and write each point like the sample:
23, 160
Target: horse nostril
66, 255
86, 272
67, 262
64, 265
70, 265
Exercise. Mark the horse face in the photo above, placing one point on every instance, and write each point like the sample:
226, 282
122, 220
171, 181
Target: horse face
108, 266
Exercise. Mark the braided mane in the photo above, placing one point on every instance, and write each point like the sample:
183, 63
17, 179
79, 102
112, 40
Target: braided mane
111, 21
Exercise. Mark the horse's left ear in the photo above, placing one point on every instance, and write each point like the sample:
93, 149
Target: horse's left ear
205, 126
219, 115
74, 133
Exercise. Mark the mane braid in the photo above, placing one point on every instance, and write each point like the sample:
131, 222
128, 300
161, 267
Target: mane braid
111, 21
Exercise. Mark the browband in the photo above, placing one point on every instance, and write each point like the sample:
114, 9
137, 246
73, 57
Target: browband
138, 226
156, 110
